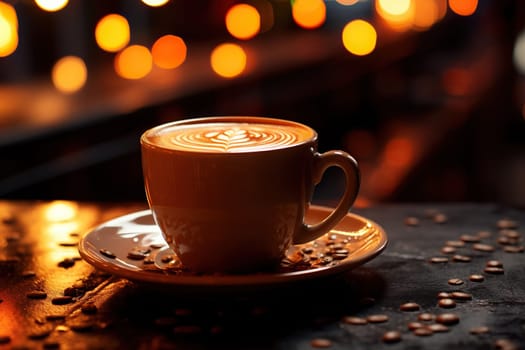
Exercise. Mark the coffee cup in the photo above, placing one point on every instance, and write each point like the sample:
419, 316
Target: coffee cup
230, 193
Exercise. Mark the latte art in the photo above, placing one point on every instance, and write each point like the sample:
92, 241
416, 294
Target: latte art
231, 137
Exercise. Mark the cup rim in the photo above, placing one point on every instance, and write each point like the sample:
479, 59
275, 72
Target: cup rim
226, 118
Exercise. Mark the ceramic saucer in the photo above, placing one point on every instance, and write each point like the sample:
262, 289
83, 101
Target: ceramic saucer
132, 247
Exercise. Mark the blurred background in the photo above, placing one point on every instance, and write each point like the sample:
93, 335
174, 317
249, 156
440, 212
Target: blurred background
428, 95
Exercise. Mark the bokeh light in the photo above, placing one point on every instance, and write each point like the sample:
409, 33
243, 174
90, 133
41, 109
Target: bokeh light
8, 29
134, 62
463, 7
309, 14
519, 52
359, 37
69, 74
457, 81
228, 60
169, 52
51, 5
112, 33
347, 2
243, 21
155, 3
426, 13
398, 14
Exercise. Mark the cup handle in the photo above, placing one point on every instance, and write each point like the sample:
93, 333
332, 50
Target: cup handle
349, 166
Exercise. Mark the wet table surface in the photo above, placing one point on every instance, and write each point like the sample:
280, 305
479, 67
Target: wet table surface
51, 298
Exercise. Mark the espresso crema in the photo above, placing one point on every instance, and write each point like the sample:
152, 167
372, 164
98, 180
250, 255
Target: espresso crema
229, 137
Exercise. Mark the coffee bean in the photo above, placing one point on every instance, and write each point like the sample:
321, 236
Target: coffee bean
507, 224
107, 253
461, 258
67, 263
423, 332
447, 319
510, 233
483, 247
447, 303
409, 307
440, 218
321, 343
63, 300
448, 250
455, 244
156, 245
455, 281
479, 330
461, 296
37, 294
514, 249
4, 339
167, 258
136, 255
426, 317
377, 318
438, 259
506, 240
68, 244
28, 274
307, 250
354, 320
411, 221
469, 238
494, 270
443, 295
438, 328
414, 325
505, 344
391, 337
476, 278
494, 263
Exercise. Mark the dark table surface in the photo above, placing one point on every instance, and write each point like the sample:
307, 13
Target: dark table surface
38, 252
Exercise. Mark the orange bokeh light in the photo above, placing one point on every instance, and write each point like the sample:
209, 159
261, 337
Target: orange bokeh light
463, 7
397, 14
169, 52
243, 21
228, 60
309, 14
134, 62
112, 33
8, 30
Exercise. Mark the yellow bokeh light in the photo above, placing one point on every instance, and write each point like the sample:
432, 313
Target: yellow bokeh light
359, 37
169, 52
228, 60
61, 211
69, 74
51, 5
463, 7
155, 3
398, 14
112, 33
243, 21
134, 62
309, 14
394, 7
8, 30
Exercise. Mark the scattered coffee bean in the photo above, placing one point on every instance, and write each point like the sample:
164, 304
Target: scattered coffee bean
156, 245
4, 339
443, 295
455, 281
167, 258
321, 343
448, 250
37, 294
63, 300
378, 318
494, 270
440, 218
476, 278
67, 263
494, 263
479, 330
414, 325
505, 240
514, 249
409, 307
510, 233
505, 344
461, 296
469, 238
423, 332
28, 274
354, 320
391, 337
136, 255
148, 260
107, 253
447, 319
68, 244
507, 224
411, 221
438, 328
426, 316
439, 259
455, 244
461, 258
481, 247
447, 303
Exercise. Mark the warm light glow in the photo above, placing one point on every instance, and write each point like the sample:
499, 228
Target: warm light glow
112, 33
442, 8
359, 37
60, 211
155, 3
399, 152
394, 7
426, 14
519, 52
69, 74
347, 2
169, 52
309, 14
398, 14
134, 62
243, 21
228, 60
51, 5
8, 30
463, 7
457, 81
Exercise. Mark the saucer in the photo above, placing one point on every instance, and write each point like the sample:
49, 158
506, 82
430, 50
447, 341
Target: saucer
132, 247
